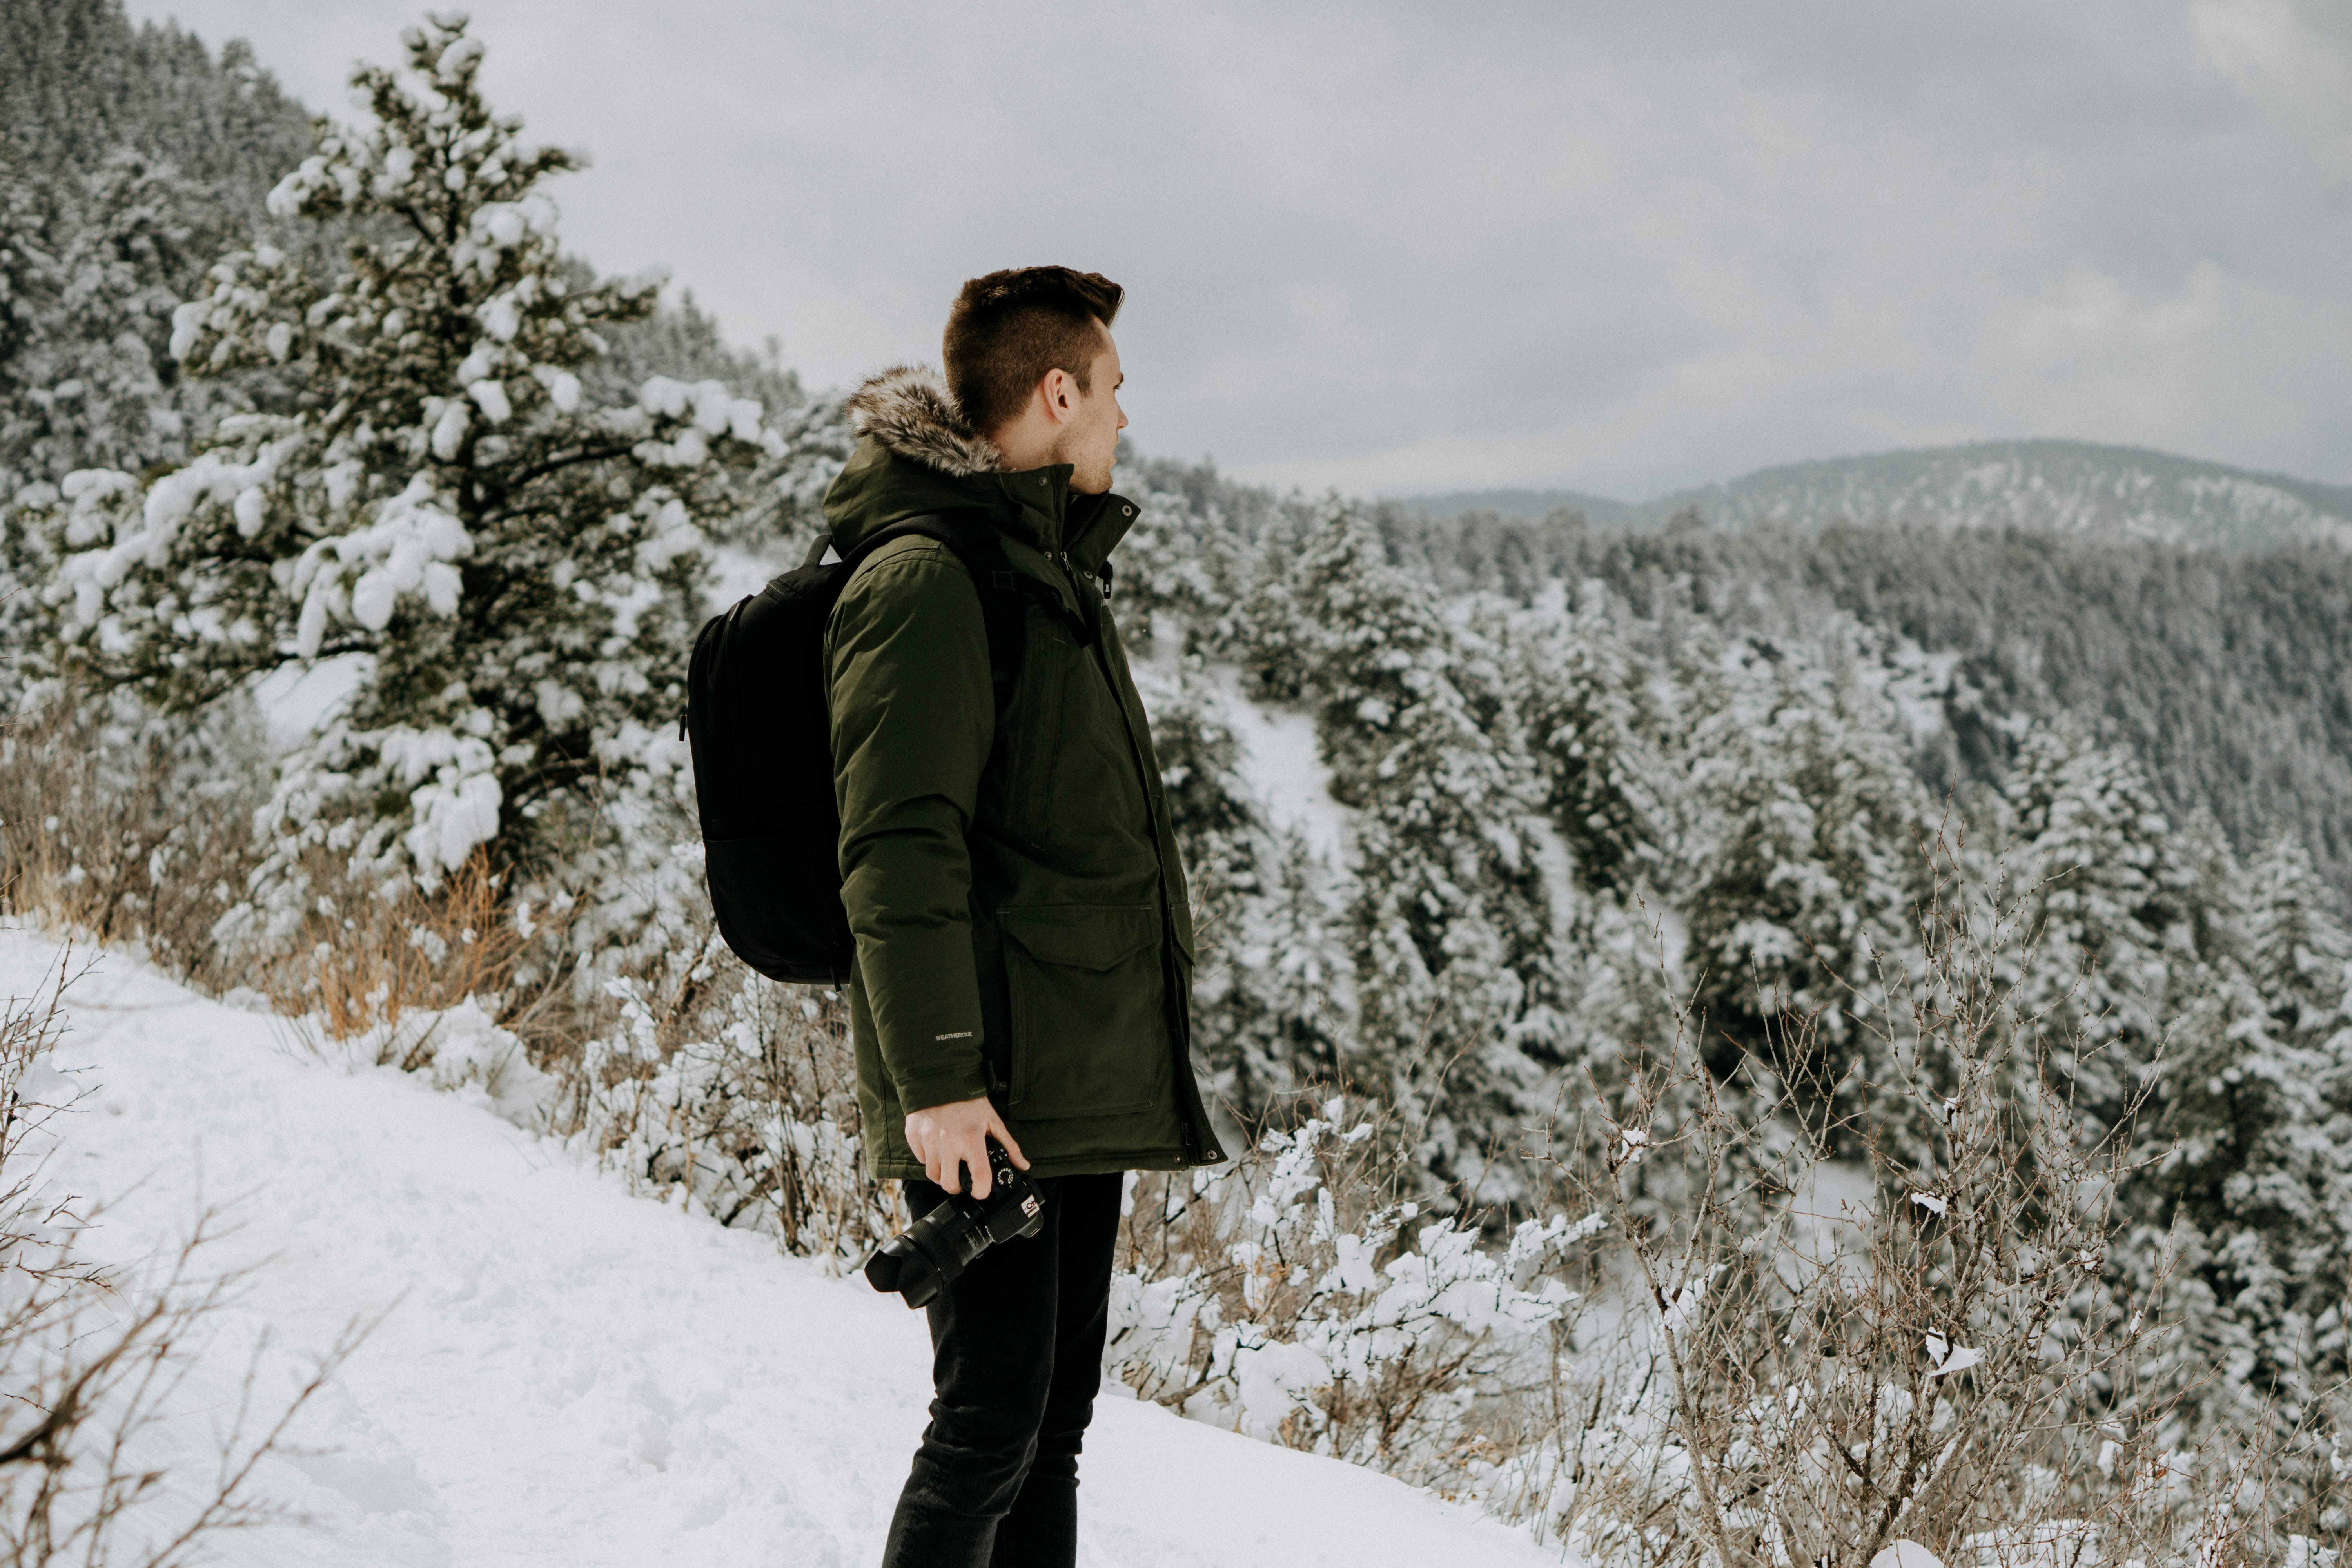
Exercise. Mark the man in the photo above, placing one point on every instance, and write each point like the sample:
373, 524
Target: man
1025, 948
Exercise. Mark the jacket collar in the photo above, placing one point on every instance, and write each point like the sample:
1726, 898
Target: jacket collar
918, 454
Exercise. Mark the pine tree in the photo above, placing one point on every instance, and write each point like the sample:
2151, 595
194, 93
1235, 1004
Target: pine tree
1596, 732
27, 269
2297, 951
2140, 962
1450, 922
1263, 1012
1805, 872
515, 568
138, 158
1167, 582
1275, 989
1219, 826
2250, 1171
32, 288
95, 387
79, 85
2108, 917
2300, 957
1274, 636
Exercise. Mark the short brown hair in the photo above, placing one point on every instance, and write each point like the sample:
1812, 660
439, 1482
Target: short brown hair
1006, 330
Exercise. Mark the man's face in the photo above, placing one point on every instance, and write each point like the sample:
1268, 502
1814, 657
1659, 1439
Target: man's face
1089, 441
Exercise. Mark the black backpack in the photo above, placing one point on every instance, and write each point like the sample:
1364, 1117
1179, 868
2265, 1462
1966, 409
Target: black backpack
757, 714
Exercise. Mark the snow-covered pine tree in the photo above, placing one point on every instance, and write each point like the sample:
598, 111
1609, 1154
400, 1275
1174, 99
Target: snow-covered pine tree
1449, 921
2142, 949
92, 386
1595, 730
1221, 829
2104, 891
1166, 584
1225, 563
509, 573
1805, 870
2299, 954
1273, 638
2249, 1170
1291, 1012
2298, 951
143, 157
28, 280
28, 285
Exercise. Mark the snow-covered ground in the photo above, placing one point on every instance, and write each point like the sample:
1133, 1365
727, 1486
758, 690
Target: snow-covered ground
1282, 765
565, 1374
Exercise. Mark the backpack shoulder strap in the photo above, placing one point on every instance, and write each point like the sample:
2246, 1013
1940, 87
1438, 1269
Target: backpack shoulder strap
1004, 591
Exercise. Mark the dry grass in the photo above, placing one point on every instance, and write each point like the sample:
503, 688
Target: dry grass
740, 1093
118, 827
361, 971
379, 973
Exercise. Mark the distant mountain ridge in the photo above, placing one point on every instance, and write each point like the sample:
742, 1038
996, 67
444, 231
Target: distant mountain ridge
1528, 506
2064, 487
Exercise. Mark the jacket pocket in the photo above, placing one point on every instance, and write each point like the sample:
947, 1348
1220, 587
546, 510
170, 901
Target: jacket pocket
1089, 1018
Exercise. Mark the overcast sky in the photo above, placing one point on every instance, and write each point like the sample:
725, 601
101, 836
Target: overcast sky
1619, 247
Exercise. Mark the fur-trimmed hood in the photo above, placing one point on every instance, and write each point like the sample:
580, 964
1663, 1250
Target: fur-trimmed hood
910, 409
918, 454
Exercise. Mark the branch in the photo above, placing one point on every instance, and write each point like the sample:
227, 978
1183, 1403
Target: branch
540, 470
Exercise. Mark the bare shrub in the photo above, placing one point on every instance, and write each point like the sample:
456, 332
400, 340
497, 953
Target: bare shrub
1300, 1296
735, 1094
1814, 1359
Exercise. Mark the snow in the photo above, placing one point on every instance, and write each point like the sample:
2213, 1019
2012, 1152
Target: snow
735, 571
1281, 764
567, 1373
1833, 1210
297, 701
1905, 1554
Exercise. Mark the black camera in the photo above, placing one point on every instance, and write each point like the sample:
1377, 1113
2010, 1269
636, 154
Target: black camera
920, 1260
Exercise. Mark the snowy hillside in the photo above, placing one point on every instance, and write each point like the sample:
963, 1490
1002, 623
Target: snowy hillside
2067, 487
1560, 896
566, 1373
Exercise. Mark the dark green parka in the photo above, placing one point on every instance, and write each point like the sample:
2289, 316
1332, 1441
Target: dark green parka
1020, 912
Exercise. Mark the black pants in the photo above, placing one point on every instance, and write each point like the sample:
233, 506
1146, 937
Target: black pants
1016, 1347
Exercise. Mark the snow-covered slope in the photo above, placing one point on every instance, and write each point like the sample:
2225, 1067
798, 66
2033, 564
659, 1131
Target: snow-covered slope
1281, 762
568, 1374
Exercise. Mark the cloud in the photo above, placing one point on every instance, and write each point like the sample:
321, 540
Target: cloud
1397, 246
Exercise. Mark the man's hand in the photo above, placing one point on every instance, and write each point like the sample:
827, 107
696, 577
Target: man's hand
948, 1138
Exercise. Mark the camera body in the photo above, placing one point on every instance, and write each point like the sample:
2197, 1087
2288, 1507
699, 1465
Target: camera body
924, 1258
